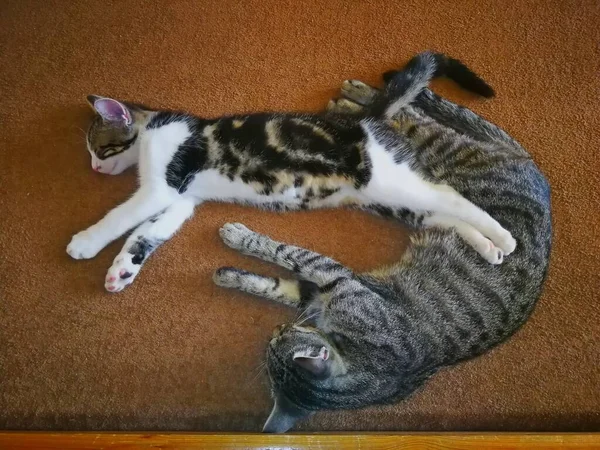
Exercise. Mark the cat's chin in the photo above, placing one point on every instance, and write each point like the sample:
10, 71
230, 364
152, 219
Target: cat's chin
115, 170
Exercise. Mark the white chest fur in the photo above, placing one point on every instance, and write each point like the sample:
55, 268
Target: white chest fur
157, 148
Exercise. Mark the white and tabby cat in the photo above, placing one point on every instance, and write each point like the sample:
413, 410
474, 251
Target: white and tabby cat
278, 161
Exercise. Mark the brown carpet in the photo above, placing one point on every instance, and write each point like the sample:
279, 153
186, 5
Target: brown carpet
174, 352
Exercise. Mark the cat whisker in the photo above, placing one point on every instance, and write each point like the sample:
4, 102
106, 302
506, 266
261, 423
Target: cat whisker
257, 372
300, 315
308, 317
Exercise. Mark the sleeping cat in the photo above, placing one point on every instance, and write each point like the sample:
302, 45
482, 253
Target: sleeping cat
278, 161
376, 337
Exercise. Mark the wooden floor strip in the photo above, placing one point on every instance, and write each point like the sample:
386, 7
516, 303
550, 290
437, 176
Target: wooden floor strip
333, 441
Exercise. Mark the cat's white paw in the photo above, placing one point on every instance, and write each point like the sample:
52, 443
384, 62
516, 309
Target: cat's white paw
491, 253
121, 273
232, 234
84, 245
504, 240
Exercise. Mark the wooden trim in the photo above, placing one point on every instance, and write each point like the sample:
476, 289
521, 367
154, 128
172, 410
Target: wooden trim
333, 441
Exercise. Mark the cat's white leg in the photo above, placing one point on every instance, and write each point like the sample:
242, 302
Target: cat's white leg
143, 241
448, 201
398, 185
472, 236
145, 203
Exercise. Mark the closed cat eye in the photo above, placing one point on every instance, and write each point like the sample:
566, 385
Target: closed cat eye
108, 152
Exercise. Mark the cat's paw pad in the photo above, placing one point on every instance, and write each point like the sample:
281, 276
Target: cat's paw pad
121, 273
228, 277
358, 92
491, 253
233, 234
84, 245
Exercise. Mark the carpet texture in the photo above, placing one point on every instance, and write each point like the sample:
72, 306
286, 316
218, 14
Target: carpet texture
174, 352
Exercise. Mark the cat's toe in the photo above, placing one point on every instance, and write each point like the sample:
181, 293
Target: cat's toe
495, 256
233, 234
344, 105
121, 273
226, 277
491, 253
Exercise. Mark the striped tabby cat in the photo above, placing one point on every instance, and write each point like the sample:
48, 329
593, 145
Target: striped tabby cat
283, 161
378, 336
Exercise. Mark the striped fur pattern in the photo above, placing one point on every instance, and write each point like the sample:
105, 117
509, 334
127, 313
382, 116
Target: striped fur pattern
376, 337
276, 161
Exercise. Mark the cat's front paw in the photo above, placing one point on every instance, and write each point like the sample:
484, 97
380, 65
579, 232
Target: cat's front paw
121, 273
228, 277
84, 245
233, 234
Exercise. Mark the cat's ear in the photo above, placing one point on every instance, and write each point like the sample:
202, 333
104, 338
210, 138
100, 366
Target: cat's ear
110, 110
314, 361
91, 99
283, 416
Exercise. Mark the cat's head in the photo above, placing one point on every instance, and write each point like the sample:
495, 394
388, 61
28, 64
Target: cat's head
113, 135
306, 372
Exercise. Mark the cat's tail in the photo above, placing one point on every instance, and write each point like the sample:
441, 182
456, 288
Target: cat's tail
403, 86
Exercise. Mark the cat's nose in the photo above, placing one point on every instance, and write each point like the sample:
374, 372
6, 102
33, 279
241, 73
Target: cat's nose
97, 168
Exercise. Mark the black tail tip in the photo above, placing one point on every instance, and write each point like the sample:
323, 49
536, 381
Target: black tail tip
387, 76
483, 89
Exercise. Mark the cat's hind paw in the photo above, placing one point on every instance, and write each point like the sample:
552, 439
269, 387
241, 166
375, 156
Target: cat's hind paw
504, 240
358, 92
491, 253
343, 106
121, 273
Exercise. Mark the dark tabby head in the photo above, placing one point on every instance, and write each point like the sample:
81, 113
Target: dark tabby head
112, 138
305, 368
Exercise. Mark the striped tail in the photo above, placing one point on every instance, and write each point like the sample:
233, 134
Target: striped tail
403, 86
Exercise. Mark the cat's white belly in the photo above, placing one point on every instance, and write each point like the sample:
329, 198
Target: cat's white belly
211, 185
393, 184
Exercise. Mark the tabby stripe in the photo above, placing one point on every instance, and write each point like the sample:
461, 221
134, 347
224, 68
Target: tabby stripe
429, 140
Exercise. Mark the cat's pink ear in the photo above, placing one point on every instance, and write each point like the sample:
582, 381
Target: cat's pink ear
110, 110
316, 362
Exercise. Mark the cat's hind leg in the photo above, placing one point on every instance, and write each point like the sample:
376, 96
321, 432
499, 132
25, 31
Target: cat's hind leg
143, 241
399, 186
